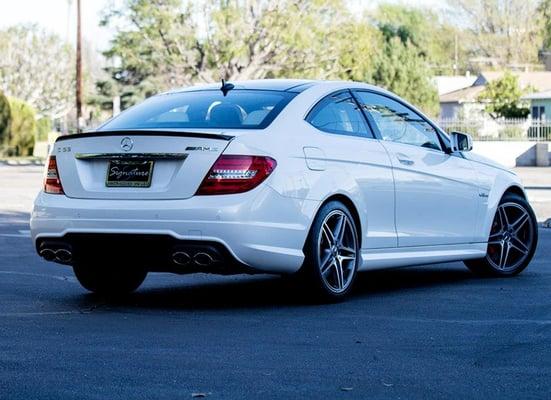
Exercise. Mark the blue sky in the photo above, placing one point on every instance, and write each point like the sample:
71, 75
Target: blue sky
58, 16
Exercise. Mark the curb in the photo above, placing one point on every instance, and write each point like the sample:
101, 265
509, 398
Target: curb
537, 187
14, 163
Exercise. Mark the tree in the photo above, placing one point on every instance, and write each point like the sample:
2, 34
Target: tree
504, 97
357, 47
37, 67
403, 66
435, 38
508, 31
401, 70
159, 44
545, 11
43, 129
22, 129
5, 119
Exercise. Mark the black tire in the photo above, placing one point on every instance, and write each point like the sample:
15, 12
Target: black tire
320, 284
113, 281
492, 264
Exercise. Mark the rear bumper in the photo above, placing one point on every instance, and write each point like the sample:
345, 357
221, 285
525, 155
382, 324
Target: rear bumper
156, 253
260, 229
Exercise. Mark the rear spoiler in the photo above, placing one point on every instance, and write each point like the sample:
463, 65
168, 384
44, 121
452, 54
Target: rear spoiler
145, 133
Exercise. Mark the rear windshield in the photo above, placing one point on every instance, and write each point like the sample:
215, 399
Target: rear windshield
239, 109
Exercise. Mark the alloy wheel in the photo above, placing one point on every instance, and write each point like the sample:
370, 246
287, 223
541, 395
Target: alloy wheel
337, 251
511, 237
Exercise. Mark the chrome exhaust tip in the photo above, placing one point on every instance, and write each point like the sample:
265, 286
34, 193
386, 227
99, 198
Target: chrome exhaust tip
181, 258
47, 254
203, 259
63, 256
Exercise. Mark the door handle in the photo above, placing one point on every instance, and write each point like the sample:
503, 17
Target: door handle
405, 160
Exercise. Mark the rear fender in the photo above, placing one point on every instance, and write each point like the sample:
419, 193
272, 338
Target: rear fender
320, 183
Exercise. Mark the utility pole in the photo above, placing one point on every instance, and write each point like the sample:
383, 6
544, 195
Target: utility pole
79, 70
456, 55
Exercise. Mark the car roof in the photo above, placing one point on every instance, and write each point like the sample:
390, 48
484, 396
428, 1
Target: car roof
289, 85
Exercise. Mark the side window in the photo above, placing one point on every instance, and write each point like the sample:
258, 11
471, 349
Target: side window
398, 123
339, 113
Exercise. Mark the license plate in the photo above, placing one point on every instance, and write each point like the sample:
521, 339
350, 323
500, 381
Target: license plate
125, 173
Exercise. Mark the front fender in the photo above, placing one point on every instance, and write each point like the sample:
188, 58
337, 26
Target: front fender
503, 181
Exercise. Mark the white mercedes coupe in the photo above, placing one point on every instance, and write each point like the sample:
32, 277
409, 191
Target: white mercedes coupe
313, 179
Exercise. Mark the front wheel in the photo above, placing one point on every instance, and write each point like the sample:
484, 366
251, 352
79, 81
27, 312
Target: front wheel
332, 252
513, 239
111, 280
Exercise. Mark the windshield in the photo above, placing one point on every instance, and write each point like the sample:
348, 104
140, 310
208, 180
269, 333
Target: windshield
239, 109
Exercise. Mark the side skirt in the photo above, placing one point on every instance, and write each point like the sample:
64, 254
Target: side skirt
411, 256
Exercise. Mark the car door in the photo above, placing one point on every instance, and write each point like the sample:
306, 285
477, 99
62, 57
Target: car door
436, 192
356, 161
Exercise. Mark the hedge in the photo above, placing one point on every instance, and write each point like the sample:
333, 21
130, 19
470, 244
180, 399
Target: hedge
22, 131
5, 120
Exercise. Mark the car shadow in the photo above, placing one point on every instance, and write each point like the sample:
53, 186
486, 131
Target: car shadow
265, 291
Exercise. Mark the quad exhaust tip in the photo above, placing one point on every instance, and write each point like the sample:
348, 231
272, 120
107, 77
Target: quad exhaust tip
181, 258
63, 255
60, 255
48, 254
200, 259
203, 259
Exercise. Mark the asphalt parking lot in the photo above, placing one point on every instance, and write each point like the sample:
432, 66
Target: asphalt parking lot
417, 333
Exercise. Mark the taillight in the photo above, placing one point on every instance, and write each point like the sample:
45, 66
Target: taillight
52, 184
236, 174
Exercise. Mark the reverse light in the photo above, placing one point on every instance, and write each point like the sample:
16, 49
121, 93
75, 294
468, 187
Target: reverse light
52, 184
236, 174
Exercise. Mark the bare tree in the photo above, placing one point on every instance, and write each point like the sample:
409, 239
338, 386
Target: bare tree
175, 43
508, 31
35, 66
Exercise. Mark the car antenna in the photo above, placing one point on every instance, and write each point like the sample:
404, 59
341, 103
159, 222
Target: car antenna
226, 87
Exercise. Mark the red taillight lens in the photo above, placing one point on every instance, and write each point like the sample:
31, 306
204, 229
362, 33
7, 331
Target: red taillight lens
236, 174
52, 184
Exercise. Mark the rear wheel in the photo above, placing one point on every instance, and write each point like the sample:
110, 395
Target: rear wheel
109, 280
332, 252
513, 239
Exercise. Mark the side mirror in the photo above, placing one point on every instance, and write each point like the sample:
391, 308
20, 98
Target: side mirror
461, 142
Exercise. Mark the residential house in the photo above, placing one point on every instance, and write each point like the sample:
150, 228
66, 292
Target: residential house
540, 105
451, 83
464, 103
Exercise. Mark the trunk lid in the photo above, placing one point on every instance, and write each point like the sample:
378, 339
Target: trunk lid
180, 162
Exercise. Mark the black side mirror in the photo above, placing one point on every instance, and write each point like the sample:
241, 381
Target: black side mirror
461, 142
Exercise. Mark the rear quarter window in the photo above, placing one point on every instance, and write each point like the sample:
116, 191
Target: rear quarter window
339, 113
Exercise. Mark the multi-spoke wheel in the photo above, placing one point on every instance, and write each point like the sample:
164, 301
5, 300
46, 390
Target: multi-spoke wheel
512, 241
332, 251
337, 251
